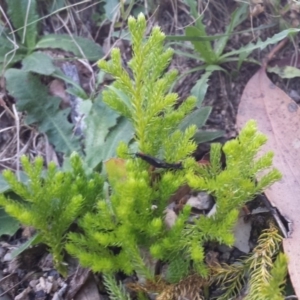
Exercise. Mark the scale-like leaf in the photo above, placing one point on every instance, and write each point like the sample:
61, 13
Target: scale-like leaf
24, 17
43, 110
79, 46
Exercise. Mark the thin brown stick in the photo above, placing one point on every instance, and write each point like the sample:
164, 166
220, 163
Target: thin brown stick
272, 53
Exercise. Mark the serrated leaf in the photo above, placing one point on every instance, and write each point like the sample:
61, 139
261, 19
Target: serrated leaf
43, 110
206, 136
98, 123
263, 44
8, 224
238, 16
23, 14
38, 62
79, 46
200, 88
285, 72
204, 47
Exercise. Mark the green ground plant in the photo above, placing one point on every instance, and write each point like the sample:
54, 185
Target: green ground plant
51, 202
133, 218
21, 43
266, 267
215, 55
117, 230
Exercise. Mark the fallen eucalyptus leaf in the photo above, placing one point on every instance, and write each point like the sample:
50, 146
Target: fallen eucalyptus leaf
278, 117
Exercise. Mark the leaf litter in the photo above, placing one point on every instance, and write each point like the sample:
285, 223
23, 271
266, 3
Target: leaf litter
278, 117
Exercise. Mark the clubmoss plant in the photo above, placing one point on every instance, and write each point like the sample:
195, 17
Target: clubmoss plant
51, 202
265, 268
133, 218
231, 188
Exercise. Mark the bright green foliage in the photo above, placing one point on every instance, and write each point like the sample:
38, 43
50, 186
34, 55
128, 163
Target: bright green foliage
266, 277
178, 268
52, 202
146, 98
130, 220
273, 290
116, 292
231, 188
133, 218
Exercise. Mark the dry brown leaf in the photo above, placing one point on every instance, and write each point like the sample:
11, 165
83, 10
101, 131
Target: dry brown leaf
278, 117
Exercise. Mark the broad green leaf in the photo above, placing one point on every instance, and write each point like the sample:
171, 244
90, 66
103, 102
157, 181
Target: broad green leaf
111, 9
200, 88
43, 110
204, 48
263, 44
4, 186
8, 224
79, 90
285, 72
36, 239
7, 52
206, 136
23, 14
242, 57
99, 121
123, 131
238, 16
193, 8
197, 117
38, 62
79, 46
